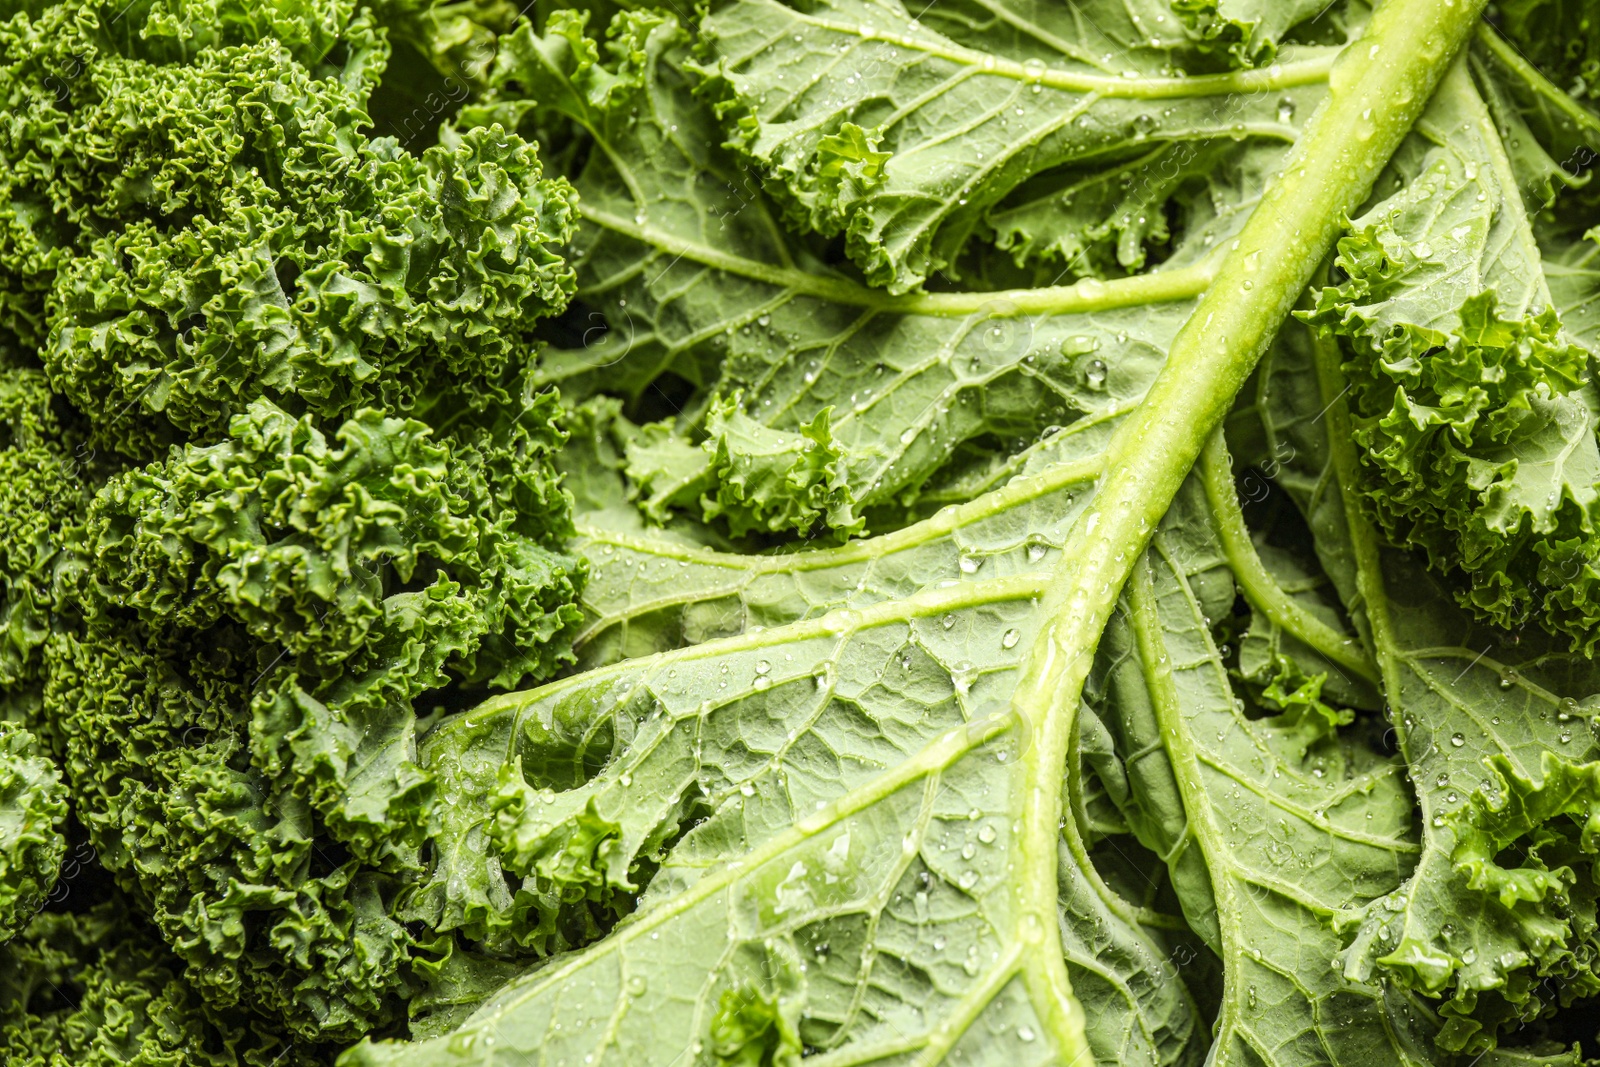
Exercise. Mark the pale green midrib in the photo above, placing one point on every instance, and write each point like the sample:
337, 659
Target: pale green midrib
1113, 901
1370, 585
1259, 587
1373, 598
945, 522
1087, 295
1187, 757
1503, 51
1297, 72
1199, 816
950, 1030
837, 622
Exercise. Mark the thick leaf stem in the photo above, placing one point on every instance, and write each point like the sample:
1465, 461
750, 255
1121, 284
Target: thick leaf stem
1260, 589
942, 524
1372, 599
1572, 111
1313, 68
1087, 295
1377, 88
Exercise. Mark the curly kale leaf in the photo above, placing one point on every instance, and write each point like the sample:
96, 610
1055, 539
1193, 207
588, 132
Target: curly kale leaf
44, 466
189, 236
340, 509
755, 477
38, 495
1248, 31
1469, 396
948, 111
1496, 925
97, 988
260, 615
1269, 822
627, 791
684, 269
33, 805
332, 553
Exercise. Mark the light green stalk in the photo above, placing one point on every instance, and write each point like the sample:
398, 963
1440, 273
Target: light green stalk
1377, 88
1258, 586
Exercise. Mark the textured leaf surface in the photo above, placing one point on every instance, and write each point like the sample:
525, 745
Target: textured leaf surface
647, 593
687, 271
219, 642
1281, 822
204, 233
842, 815
962, 119
764, 695
96, 987
1469, 396
1494, 730
33, 807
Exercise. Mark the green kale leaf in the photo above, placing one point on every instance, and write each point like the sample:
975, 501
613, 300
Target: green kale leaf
33, 806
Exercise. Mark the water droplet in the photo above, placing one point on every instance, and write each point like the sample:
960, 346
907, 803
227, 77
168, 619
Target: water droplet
970, 564
1009, 640
1457, 739
986, 835
1094, 375
1025, 1033
1036, 552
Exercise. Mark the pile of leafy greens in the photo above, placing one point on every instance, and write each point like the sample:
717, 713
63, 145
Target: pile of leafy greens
830, 530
